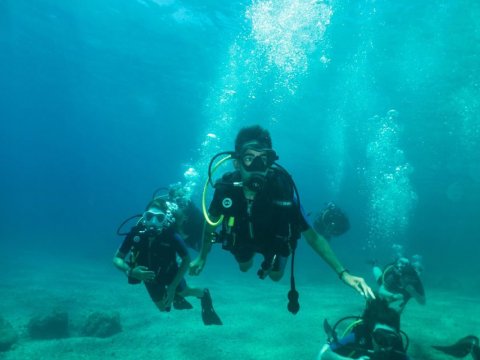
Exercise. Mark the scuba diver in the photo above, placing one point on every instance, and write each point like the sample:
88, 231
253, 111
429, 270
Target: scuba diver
331, 222
258, 209
463, 347
189, 220
375, 335
400, 281
149, 253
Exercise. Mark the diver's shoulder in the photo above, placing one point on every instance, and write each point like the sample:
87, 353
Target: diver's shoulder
228, 179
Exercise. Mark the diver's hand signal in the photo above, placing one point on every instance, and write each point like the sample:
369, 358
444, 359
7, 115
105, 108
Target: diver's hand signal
142, 273
358, 284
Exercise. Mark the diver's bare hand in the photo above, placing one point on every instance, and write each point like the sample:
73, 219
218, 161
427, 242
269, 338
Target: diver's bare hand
358, 284
196, 266
142, 273
397, 297
168, 298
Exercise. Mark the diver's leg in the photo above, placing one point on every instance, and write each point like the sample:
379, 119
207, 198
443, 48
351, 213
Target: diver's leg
192, 291
278, 268
157, 292
245, 266
244, 258
181, 291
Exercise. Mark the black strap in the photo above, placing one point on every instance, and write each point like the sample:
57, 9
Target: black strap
293, 304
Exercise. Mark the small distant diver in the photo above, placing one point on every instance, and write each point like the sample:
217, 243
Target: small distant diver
399, 281
375, 335
331, 222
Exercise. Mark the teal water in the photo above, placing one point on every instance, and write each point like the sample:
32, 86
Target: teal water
372, 104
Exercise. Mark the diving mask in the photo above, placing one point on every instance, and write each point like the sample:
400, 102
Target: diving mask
157, 220
386, 339
256, 159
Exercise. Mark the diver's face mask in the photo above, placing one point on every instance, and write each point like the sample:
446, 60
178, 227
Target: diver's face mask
255, 161
387, 343
253, 167
157, 220
255, 158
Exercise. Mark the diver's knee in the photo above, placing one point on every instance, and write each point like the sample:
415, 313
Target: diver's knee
244, 267
276, 275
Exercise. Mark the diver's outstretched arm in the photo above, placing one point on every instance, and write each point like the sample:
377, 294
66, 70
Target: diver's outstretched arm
322, 248
197, 265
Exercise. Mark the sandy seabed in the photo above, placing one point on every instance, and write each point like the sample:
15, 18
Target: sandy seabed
256, 322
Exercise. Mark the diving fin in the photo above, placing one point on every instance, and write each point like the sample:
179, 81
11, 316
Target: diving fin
331, 334
180, 303
209, 316
463, 347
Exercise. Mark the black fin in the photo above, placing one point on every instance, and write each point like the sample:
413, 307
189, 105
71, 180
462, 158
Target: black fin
209, 316
461, 348
332, 335
180, 303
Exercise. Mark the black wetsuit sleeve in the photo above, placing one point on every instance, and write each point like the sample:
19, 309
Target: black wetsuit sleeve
215, 208
128, 241
179, 246
193, 227
303, 223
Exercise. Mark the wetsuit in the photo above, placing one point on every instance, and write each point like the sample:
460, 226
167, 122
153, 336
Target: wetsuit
192, 226
270, 224
396, 281
359, 343
158, 252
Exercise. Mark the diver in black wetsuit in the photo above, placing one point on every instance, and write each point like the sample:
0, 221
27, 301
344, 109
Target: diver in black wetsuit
375, 335
149, 253
258, 210
331, 222
189, 220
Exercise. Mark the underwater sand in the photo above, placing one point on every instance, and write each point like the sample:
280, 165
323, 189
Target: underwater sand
256, 322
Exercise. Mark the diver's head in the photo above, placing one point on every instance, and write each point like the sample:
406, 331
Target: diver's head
179, 194
331, 222
417, 263
254, 135
387, 343
377, 311
254, 155
401, 263
158, 215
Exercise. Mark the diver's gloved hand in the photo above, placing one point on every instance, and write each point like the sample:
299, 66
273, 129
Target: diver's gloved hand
196, 266
142, 273
358, 284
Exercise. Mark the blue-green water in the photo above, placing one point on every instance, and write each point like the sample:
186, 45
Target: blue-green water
372, 104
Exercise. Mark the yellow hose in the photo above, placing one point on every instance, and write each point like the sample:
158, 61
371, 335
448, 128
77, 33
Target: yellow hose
204, 196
